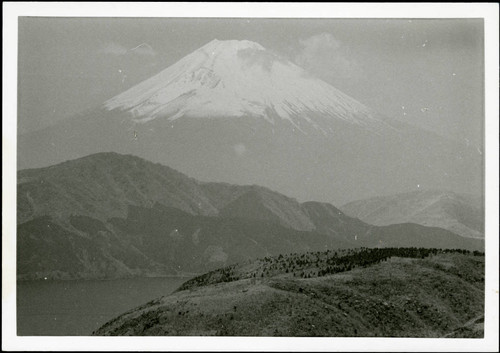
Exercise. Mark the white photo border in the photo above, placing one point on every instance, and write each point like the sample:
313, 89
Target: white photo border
11, 11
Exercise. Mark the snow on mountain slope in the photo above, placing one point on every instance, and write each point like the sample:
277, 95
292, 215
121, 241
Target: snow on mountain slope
235, 79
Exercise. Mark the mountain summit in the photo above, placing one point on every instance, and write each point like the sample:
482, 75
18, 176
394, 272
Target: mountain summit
235, 79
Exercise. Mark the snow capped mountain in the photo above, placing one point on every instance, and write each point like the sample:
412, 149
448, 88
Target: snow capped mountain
236, 79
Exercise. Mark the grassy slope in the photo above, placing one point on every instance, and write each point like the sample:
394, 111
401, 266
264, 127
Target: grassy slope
414, 297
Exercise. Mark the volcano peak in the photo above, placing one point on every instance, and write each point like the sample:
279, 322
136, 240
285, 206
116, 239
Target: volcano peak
233, 44
236, 79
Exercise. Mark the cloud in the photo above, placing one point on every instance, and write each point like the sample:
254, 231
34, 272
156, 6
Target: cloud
113, 48
143, 49
320, 42
328, 58
263, 58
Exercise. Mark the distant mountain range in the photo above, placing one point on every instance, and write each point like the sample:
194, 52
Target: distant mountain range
236, 112
459, 213
109, 215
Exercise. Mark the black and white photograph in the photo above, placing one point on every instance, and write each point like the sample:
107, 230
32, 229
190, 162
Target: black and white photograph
326, 179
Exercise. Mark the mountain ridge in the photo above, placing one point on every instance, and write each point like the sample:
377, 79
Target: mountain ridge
117, 215
462, 214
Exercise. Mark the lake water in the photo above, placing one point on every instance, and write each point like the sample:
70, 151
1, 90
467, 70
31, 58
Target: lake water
76, 308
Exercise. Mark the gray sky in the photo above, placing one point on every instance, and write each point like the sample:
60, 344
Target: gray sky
426, 72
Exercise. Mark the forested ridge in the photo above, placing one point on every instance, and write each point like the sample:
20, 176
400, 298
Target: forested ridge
314, 264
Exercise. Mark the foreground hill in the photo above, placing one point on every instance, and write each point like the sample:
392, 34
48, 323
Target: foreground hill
368, 292
459, 213
109, 215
